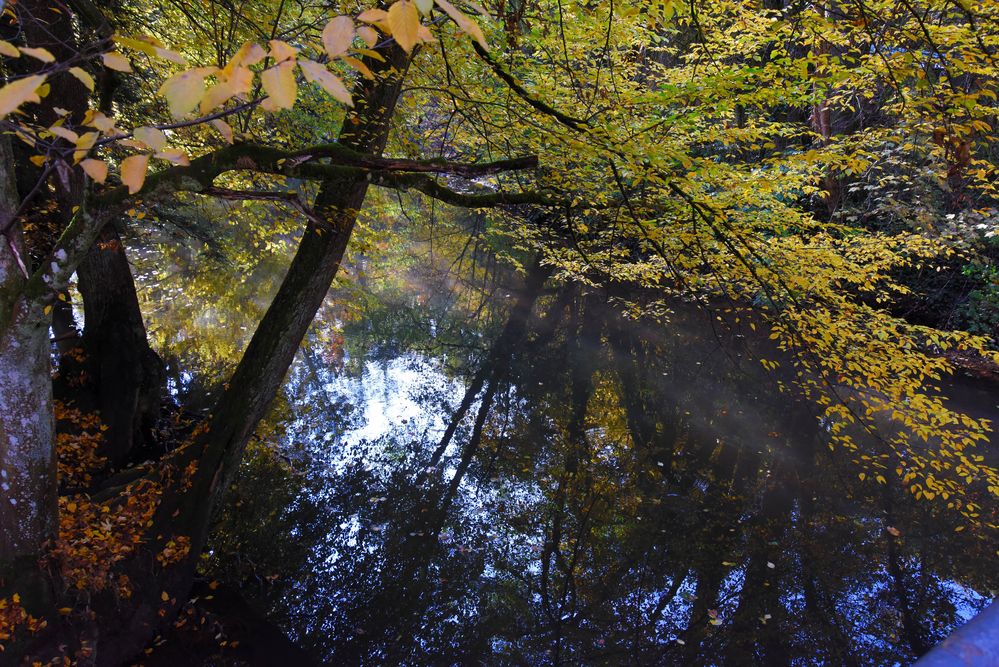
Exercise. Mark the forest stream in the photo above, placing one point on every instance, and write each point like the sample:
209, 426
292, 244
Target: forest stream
499, 332
477, 467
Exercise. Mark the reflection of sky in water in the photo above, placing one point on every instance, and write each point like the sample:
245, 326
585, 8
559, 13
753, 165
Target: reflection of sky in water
386, 418
383, 402
388, 391
407, 399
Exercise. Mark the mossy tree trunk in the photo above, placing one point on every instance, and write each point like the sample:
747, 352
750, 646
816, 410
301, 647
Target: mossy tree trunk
27, 463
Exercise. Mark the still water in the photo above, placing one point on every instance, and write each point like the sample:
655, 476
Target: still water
477, 466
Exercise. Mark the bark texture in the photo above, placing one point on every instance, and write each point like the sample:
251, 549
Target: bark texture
27, 464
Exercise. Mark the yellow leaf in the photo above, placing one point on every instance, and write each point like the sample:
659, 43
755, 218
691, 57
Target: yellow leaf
38, 160
184, 91
371, 53
249, 54
18, 92
424, 6
466, 24
372, 15
172, 56
281, 51
8, 49
280, 85
359, 66
140, 45
331, 83
424, 35
116, 61
222, 92
151, 137
151, 47
65, 610
368, 34
63, 133
133, 172
100, 121
224, 129
38, 54
164, 596
83, 76
95, 169
404, 24
84, 144
174, 155
338, 35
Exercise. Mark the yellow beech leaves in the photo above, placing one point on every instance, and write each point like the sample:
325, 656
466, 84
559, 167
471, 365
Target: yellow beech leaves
83, 76
183, 92
151, 137
403, 22
316, 73
466, 24
14, 94
95, 169
255, 76
43, 55
116, 61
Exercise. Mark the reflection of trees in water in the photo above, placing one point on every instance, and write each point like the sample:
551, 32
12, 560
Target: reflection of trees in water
607, 494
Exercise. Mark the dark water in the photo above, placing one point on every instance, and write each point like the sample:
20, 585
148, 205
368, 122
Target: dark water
609, 492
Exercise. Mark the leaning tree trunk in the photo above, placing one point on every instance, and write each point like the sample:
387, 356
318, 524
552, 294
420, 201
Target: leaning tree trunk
276, 340
125, 629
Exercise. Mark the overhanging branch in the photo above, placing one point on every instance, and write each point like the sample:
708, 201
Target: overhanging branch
574, 123
201, 173
432, 188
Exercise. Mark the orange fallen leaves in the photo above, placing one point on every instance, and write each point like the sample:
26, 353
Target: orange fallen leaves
14, 616
93, 537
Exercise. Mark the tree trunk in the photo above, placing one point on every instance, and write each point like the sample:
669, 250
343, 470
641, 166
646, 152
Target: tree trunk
27, 463
124, 375
277, 338
27, 453
126, 629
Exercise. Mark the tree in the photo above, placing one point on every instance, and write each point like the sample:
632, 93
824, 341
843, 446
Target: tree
697, 152
353, 163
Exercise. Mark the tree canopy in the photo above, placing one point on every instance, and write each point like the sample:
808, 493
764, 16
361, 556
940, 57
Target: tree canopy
808, 171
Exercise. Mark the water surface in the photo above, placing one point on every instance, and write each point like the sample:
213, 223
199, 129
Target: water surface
489, 467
